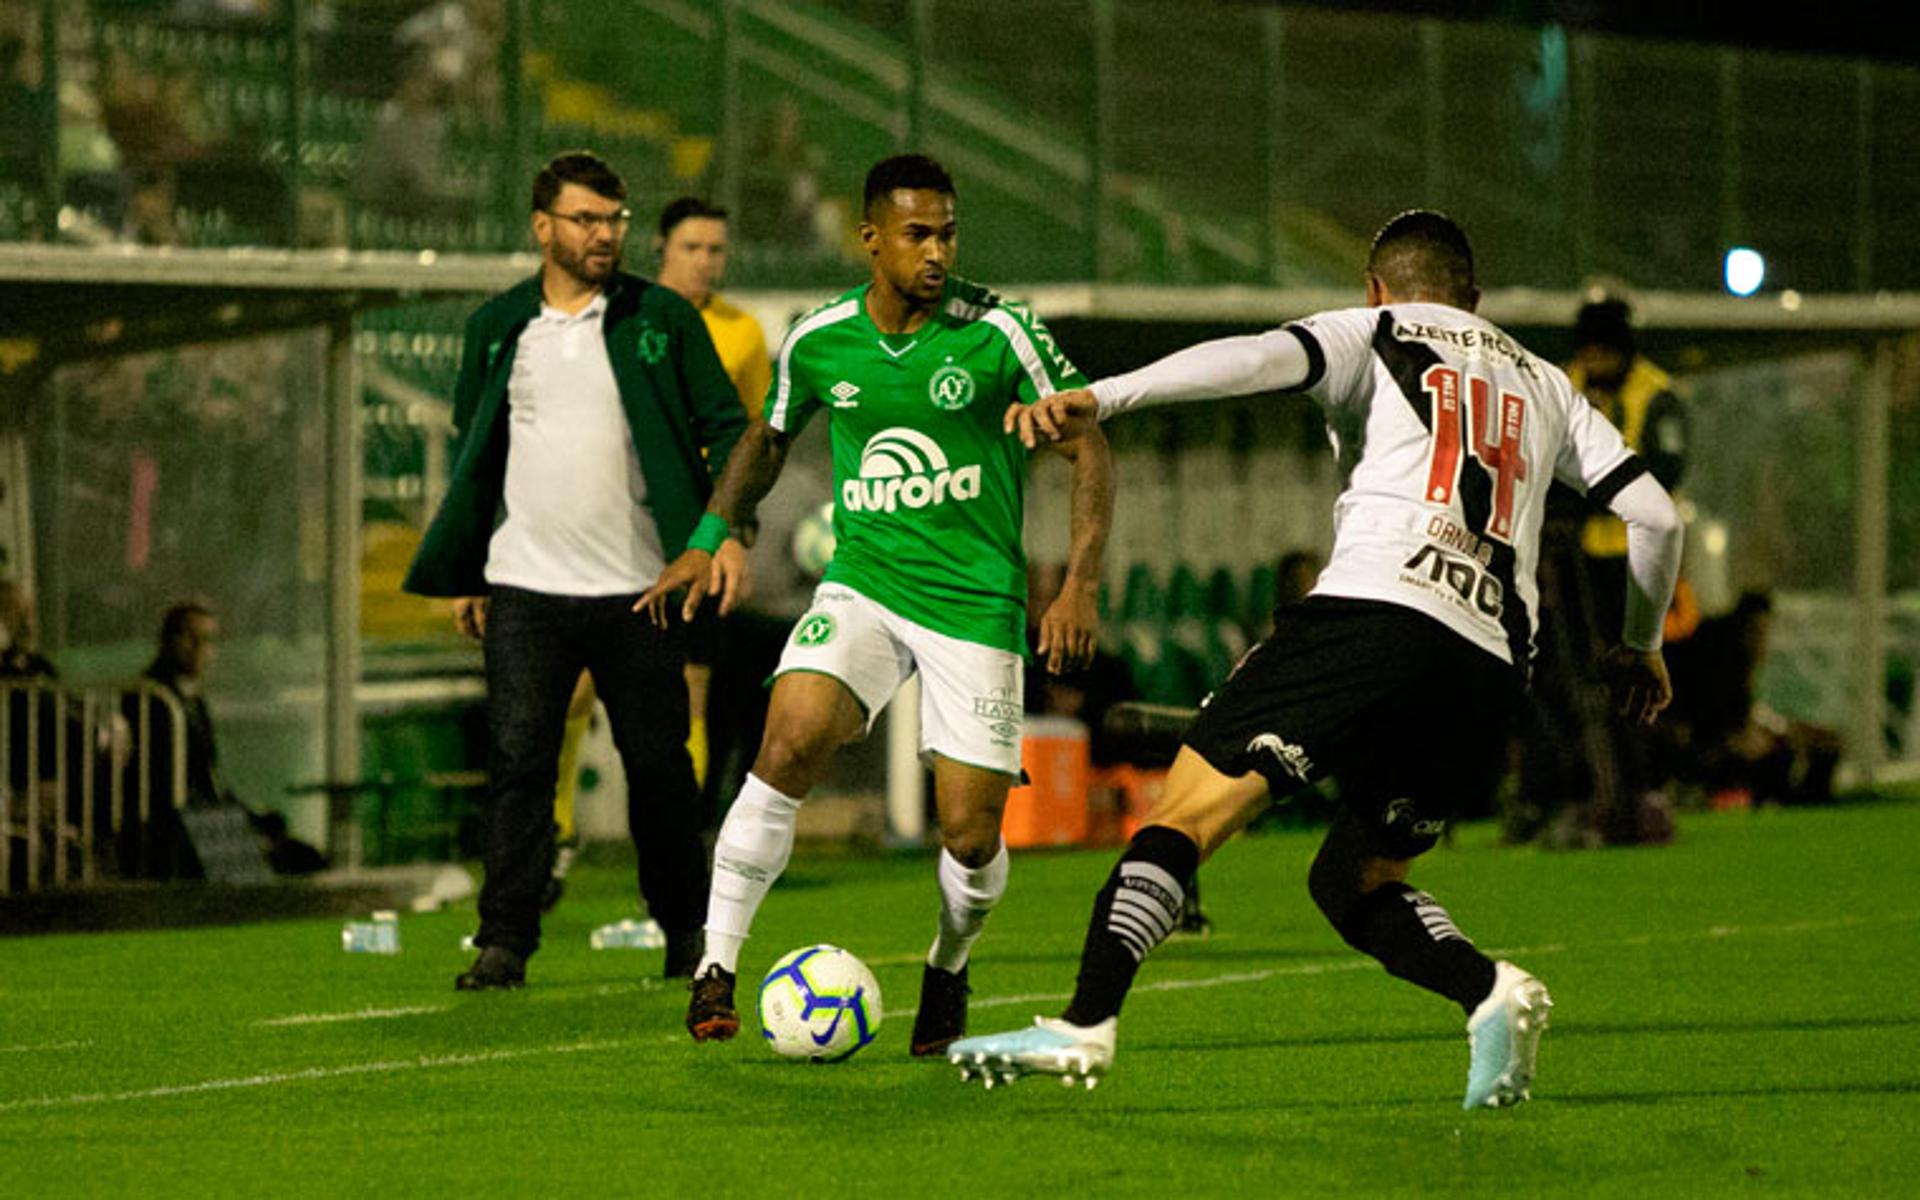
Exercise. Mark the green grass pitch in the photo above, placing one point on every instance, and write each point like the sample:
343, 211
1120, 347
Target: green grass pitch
1737, 1014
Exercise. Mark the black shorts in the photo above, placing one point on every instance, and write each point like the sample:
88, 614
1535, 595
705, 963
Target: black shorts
1407, 715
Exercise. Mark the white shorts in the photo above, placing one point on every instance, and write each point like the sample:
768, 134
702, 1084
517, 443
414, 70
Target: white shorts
972, 697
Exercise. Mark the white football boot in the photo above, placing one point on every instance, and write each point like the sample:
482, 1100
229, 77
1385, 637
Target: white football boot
1077, 1054
1503, 1035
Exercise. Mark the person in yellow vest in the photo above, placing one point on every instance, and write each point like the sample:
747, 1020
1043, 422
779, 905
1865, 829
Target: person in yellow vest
1586, 776
1638, 398
692, 244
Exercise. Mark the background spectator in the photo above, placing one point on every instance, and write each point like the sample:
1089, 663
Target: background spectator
1588, 776
1724, 738
161, 849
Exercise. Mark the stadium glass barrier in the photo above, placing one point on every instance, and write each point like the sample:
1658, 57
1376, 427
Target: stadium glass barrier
73, 770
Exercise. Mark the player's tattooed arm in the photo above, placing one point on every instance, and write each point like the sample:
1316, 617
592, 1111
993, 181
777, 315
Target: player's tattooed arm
1070, 628
749, 475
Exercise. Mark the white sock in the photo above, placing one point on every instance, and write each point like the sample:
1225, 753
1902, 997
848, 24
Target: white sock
966, 897
755, 841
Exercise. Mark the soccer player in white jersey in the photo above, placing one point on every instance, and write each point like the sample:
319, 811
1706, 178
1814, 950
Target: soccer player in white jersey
915, 369
1399, 673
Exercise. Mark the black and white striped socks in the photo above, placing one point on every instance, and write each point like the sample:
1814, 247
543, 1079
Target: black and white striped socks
1134, 912
1416, 940
1146, 903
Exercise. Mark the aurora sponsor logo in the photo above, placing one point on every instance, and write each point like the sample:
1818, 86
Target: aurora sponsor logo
904, 468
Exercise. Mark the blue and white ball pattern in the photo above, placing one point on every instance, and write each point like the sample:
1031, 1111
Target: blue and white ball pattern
819, 1003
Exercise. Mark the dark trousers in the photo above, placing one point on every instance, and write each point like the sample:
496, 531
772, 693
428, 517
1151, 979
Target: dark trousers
1576, 748
746, 654
536, 646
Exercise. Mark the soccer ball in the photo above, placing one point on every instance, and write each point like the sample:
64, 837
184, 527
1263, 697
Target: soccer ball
813, 541
819, 1003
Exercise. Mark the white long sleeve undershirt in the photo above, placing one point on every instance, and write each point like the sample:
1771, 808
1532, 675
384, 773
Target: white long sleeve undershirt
1234, 366
1655, 536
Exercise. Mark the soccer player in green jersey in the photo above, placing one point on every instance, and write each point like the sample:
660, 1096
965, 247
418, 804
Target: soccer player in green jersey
915, 368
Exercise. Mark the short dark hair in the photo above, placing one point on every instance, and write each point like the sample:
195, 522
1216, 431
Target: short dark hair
177, 618
686, 208
1753, 603
583, 167
1423, 251
1604, 323
915, 172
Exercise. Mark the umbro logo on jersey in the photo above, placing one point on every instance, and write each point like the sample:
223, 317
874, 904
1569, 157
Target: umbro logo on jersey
1293, 758
904, 468
843, 394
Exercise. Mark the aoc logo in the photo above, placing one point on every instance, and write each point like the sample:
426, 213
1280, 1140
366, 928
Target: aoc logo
951, 388
817, 629
904, 468
651, 344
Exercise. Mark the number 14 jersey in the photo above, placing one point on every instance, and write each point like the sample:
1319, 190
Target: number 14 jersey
1448, 433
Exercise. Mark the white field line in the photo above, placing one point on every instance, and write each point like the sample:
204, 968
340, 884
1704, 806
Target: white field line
44, 1047
269, 1079
1329, 966
364, 1014
1355, 963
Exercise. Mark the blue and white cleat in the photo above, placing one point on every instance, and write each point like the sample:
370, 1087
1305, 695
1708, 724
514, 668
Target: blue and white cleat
1077, 1054
1504, 1036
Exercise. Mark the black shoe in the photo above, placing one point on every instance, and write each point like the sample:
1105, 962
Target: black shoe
497, 968
683, 953
942, 1019
1191, 920
710, 1015
564, 854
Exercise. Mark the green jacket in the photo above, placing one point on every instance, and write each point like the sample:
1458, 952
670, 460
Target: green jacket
678, 399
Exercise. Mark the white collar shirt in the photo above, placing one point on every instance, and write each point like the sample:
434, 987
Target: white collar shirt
577, 521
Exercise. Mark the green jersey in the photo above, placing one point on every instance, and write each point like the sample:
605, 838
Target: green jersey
930, 491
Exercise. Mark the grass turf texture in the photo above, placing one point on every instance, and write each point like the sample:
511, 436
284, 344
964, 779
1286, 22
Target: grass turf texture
1736, 1015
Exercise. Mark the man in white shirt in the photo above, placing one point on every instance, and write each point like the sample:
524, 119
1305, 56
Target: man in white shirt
1401, 671
591, 409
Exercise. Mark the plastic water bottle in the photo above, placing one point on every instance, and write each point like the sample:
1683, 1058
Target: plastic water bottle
629, 934
378, 936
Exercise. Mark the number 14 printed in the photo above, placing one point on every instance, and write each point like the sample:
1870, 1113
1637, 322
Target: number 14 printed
1501, 456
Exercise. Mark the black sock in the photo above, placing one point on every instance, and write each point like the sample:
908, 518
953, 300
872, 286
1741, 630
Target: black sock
1133, 913
1415, 940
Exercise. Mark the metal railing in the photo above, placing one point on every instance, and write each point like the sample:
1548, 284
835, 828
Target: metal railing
74, 769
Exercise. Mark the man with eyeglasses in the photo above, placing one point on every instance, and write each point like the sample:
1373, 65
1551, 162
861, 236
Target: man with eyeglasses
591, 410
